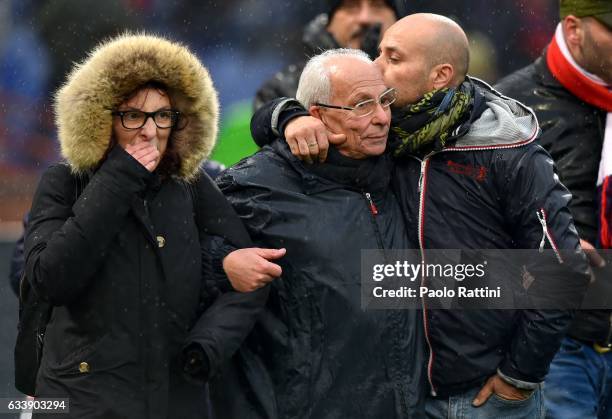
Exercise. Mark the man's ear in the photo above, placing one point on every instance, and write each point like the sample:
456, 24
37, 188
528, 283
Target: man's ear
573, 32
442, 75
315, 111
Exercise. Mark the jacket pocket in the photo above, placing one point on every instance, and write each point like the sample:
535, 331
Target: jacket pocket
101, 355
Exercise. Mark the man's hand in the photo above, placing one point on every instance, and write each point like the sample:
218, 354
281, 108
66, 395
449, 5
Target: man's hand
146, 153
309, 139
504, 390
594, 258
250, 269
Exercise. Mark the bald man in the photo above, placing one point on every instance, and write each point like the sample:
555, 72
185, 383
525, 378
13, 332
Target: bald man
468, 176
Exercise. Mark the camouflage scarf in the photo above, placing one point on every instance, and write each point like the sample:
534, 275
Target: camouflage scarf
427, 125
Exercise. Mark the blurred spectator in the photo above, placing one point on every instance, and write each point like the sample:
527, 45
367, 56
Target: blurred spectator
347, 23
569, 87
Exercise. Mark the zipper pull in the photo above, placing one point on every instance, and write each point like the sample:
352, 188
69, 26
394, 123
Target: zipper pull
423, 163
372, 206
542, 218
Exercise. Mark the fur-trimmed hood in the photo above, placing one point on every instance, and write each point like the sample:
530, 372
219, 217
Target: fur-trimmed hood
116, 68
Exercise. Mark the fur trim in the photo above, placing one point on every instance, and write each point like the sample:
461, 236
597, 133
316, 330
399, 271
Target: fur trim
116, 68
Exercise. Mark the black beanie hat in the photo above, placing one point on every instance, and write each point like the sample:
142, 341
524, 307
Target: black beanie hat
398, 7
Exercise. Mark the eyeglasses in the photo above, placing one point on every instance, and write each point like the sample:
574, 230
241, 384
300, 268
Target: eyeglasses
367, 107
163, 119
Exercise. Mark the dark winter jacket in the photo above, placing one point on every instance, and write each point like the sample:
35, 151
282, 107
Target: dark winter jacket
483, 192
211, 167
572, 132
123, 254
316, 352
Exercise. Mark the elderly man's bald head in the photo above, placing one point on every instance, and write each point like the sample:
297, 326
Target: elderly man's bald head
422, 52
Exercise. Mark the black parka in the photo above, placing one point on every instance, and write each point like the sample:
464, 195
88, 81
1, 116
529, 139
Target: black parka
124, 255
572, 132
317, 352
122, 264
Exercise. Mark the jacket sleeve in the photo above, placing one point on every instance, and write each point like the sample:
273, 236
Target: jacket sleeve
270, 120
214, 250
67, 240
225, 324
537, 208
272, 89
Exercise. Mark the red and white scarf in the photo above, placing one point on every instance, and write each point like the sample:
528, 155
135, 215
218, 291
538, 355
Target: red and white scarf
594, 91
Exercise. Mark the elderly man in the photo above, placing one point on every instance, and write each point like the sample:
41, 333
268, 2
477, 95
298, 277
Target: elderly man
469, 177
570, 89
321, 355
348, 23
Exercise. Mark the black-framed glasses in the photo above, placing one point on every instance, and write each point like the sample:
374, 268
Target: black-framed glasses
366, 107
134, 119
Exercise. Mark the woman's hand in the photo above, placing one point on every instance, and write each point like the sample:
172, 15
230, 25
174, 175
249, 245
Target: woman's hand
146, 153
250, 269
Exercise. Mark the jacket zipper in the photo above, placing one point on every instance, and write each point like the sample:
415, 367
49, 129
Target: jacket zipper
374, 213
422, 187
421, 233
546, 235
373, 208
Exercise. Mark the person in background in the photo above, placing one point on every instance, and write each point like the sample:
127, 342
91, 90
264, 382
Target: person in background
348, 23
569, 88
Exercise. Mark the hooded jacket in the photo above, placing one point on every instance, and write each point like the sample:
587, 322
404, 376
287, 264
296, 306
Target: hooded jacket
572, 132
484, 190
122, 253
316, 353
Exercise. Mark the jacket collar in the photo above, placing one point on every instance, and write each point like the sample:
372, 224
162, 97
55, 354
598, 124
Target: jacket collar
339, 172
504, 123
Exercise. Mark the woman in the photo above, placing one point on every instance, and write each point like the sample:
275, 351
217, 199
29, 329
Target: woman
114, 245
